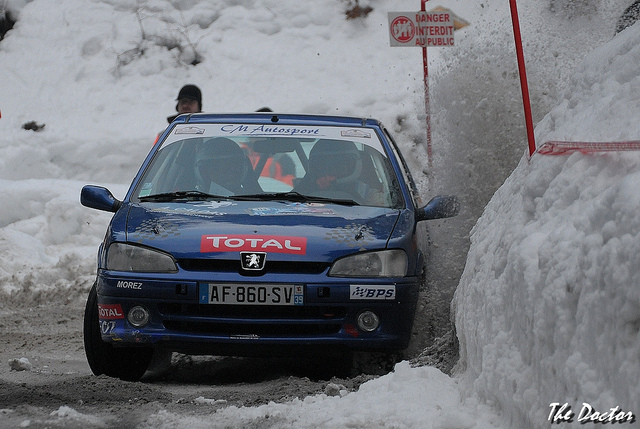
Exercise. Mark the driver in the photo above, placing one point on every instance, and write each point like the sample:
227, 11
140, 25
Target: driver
336, 171
222, 168
334, 164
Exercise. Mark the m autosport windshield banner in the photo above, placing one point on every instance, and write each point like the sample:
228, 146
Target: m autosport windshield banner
366, 136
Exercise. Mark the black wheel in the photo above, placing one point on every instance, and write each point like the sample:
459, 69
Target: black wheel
126, 363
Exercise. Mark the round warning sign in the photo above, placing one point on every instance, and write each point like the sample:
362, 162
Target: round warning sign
403, 29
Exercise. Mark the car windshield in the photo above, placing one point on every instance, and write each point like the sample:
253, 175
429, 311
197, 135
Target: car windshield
294, 163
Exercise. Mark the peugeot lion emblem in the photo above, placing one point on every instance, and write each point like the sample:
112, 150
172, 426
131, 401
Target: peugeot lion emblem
253, 260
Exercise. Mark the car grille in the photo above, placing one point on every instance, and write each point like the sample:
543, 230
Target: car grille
252, 320
227, 265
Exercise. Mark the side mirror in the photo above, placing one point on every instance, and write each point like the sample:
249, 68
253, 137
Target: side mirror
439, 207
97, 197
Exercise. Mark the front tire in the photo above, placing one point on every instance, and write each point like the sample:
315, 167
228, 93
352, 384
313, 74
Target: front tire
125, 363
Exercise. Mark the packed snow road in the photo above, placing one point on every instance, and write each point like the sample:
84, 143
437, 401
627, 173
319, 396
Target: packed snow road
46, 382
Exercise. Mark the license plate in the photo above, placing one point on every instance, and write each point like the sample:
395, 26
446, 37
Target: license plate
216, 293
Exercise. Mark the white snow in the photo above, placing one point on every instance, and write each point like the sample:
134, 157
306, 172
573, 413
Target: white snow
421, 397
66, 414
21, 364
548, 307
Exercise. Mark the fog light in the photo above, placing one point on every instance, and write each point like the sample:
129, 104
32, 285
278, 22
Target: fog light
368, 321
138, 316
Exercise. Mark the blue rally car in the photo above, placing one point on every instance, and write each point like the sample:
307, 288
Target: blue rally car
259, 234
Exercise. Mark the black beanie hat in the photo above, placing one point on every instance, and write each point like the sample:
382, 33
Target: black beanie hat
190, 92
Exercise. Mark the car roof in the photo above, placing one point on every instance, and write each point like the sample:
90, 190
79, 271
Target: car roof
278, 118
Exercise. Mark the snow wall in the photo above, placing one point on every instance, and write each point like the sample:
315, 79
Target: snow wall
548, 307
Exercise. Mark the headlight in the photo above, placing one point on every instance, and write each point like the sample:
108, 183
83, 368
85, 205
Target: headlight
385, 263
125, 257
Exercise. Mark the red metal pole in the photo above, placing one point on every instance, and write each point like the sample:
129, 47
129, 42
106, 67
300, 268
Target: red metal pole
425, 64
523, 78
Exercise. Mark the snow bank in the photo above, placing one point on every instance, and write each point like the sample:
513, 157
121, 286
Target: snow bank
548, 307
602, 100
423, 398
48, 241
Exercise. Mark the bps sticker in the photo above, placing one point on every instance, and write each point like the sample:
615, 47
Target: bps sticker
383, 292
249, 243
110, 312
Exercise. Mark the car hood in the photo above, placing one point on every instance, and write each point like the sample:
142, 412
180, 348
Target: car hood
220, 229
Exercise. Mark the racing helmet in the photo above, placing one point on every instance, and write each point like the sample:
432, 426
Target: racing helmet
221, 161
336, 158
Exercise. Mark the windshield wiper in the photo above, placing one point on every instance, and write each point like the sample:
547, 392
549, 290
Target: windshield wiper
181, 195
296, 197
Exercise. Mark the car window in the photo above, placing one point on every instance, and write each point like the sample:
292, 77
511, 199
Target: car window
328, 165
406, 173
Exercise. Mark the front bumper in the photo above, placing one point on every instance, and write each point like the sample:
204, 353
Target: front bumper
327, 317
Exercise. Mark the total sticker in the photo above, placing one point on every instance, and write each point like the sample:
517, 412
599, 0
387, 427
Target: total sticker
265, 243
110, 312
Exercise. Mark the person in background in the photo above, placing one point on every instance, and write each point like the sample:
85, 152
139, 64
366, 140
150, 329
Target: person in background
189, 101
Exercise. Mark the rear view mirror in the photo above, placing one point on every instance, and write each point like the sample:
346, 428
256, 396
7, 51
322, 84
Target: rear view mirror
97, 197
439, 207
